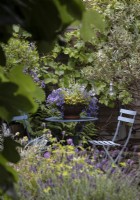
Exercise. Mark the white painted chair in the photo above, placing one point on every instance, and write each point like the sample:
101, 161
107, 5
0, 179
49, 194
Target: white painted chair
127, 117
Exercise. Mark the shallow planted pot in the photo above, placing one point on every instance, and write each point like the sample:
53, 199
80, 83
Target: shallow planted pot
72, 111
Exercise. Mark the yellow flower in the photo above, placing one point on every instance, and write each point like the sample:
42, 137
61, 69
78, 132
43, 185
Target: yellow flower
46, 190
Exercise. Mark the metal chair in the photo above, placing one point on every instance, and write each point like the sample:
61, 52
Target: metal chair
26, 124
126, 116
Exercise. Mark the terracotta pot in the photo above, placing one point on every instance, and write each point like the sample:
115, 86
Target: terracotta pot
72, 111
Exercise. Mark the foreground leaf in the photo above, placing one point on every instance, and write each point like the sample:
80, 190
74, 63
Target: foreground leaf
2, 57
8, 176
91, 20
10, 152
10, 103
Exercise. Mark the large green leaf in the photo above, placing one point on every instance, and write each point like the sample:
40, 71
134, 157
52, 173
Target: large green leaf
6, 175
26, 86
91, 20
10, 152
60, 12
12, 103
42, 19
64, 15
74, 7
6, 170
3, 78
7, 178
39, 94
24, 82
18, 93
2, 57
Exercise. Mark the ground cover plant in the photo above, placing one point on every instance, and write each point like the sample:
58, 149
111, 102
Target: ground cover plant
58, 171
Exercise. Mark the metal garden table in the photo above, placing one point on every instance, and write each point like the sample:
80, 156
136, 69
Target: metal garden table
80, 120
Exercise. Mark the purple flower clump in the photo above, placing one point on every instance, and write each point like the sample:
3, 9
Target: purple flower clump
56, 97
92, 107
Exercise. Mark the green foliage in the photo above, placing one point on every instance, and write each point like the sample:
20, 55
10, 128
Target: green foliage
62, 130
19, 97
88, 132
7, 173
116, 58
32, 91
92, 21
62, 65
10, 152
80, 133
96, 62
19, 51
73, 62
29, 12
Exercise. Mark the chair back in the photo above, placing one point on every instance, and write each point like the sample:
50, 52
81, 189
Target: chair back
127, 117
19, 118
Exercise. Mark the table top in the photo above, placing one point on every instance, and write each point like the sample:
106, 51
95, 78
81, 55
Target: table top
81, 119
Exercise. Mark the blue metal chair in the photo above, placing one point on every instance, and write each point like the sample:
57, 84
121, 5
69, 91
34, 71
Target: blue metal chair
24, 119
126, 116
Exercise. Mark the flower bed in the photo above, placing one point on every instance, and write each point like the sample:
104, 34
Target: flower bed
66, 172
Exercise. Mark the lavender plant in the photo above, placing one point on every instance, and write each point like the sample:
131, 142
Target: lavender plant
66, 172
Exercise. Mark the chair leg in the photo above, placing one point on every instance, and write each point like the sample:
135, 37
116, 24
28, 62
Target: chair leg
112, 160
108, 154
26, 128
119, 154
